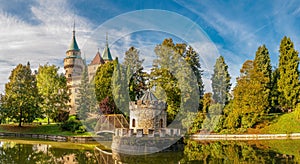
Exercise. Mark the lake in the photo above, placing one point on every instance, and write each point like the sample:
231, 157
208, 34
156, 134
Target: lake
268, 151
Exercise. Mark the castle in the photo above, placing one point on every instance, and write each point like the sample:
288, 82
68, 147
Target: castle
74, 65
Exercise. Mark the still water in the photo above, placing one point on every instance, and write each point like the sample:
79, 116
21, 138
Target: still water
272, 151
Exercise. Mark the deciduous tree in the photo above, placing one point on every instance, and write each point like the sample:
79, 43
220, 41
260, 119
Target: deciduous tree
52, 87
20, 101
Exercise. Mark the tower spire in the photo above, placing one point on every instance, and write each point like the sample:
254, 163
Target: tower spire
106, 39
74, 28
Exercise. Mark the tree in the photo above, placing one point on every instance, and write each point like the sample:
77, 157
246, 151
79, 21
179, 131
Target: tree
52, 87
221, 82
288, 82
135, 74
173, 73
103, 85
262, 65
249, 102
20, 101
86, 100
274, 91
207, 101
120, 88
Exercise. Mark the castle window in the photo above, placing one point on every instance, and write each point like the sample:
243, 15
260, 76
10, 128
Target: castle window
133, 123
161, 123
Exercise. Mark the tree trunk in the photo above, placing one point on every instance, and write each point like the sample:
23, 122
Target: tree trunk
48, 120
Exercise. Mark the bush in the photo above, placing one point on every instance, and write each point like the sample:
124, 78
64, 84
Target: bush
73, 124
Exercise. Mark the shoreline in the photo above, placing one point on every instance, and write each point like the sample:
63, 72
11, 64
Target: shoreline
57, 138
214, 137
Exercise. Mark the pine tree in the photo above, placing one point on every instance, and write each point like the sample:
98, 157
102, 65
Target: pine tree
135, 74
221, 82
20, 101
86, 98
288, 82
53, 90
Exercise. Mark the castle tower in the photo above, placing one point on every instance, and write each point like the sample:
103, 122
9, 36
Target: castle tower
148, 113
73, 65
106, 55
93, 66
98, 60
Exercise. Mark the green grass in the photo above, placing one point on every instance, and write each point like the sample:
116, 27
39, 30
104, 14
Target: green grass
52, 129
284, 124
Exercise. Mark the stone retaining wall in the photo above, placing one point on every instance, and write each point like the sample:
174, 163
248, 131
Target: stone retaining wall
51, 137
244, 136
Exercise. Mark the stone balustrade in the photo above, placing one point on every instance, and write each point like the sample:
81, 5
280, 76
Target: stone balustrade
163, 132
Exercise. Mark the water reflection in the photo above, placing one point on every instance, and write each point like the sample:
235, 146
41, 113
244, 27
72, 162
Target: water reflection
272, 151
215, 152
16, 152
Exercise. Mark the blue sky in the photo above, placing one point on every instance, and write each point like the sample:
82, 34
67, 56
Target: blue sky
40, 31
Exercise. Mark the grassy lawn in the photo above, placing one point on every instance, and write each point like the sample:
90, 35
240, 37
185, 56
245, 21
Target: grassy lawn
284, 124
52, 129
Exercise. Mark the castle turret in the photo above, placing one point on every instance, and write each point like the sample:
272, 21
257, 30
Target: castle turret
106, 55
148, 113
73, 65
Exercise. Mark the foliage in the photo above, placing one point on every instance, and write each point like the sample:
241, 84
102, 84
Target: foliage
135, 74
73, 124
86, 98
221, 82
211, 122
288, 82
53, 90
250, 95
103, 85
107, 106
177, 72
20, 101
120, 89
263, 71
274, 91
207, 101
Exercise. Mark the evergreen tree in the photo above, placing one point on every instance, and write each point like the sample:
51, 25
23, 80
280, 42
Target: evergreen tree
274, 91
20, 101
288, 82
136, 76
221, 82
120, 88
52, 87
262, 65
86, 98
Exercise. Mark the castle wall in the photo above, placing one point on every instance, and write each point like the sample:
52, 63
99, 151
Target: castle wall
92, 69
149, 116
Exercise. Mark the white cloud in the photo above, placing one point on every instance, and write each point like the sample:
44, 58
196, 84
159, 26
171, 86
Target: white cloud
41, 43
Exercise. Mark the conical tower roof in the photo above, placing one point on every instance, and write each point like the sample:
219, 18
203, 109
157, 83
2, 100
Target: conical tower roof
73, 46
106, 55
148, 96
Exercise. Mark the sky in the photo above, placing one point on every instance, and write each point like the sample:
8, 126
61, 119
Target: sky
40, 31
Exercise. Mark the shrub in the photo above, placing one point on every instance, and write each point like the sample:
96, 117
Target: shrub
73, 124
